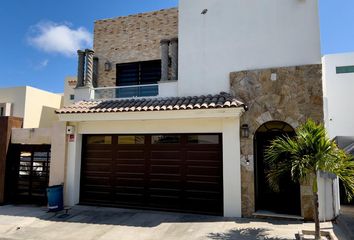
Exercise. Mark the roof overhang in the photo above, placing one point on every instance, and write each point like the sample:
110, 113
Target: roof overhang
153, 115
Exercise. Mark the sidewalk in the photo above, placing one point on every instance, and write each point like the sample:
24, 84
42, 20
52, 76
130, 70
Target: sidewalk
346, 221
95, 223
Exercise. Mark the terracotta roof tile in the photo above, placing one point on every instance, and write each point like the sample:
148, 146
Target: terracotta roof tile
222, 100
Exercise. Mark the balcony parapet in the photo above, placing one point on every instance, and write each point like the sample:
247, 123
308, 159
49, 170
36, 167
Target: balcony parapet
161, 89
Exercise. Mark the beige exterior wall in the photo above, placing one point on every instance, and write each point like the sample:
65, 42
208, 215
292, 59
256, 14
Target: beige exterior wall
37, 136
35, 106
40, 108
58, 160
131, 39
17, 97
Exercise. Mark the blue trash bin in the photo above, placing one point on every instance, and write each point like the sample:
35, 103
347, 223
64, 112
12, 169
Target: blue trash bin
55, 198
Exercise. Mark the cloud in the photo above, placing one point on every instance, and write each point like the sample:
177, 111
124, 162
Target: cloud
42, 64
59, 38
38, 65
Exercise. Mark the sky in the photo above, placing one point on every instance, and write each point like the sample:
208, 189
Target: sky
39, 38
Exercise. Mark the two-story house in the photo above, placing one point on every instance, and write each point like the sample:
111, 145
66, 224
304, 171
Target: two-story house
174, 109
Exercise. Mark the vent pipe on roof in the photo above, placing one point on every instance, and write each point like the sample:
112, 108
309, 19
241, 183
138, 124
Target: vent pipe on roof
89, 67
164, 59
174, 59
80, 68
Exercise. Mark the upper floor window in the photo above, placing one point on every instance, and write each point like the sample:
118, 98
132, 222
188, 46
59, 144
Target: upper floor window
135, 74
1, 111
345, 69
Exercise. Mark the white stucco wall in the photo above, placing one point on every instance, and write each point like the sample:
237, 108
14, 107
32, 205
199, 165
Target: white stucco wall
40, 108
328, 198
202, 122
237, 35
69, 90
17, 97
338, 95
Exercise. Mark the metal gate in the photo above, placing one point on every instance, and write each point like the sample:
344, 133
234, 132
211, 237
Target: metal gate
28, 173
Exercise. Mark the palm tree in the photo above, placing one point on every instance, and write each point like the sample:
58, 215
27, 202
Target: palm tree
304, 156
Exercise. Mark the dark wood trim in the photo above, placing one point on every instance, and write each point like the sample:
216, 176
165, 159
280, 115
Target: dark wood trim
179, 177
35, 182
6, 125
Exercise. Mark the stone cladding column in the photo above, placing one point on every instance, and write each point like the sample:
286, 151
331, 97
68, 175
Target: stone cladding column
164, 59
80, 68
89, 67
174, 59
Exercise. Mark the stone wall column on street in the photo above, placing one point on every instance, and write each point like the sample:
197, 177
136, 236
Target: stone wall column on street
89, 68
164, 59
174, 58
293, 96
80, 68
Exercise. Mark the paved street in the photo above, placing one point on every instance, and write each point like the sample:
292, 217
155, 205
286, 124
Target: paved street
93, 223
346, 221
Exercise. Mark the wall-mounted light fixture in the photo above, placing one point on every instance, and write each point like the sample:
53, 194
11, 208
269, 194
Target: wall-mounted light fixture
247, 160
245, 131
107, 66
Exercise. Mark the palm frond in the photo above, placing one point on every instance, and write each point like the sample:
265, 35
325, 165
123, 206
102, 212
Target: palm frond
307, 153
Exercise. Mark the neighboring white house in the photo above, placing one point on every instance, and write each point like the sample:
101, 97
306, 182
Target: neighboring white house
35, 106
338, 82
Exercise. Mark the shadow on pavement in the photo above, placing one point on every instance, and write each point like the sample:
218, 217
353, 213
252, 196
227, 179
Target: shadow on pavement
245, 234
123, 217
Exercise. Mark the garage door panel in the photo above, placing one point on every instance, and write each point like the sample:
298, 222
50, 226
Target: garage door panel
130, 161
101, 156
165, 169
125, 196
172, 174
201, 185
130, 154
98, 167
135, 192
165, 155
212, 156
130, 168
198, 194
202, 163
133, 182
99, 153
95, 179
165, 202
90, 195
203, 170
165, 183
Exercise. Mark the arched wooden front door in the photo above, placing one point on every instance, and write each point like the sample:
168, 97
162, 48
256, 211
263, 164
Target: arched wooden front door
287, 200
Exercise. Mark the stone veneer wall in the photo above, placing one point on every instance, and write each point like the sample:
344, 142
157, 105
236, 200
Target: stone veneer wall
293, 97
131, 39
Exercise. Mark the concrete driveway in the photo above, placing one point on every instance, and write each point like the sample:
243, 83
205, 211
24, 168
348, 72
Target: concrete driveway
94, 223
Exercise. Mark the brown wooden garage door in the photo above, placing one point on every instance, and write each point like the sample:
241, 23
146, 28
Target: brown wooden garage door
164, 172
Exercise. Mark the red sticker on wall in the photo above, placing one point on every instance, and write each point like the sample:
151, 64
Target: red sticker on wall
71, 138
